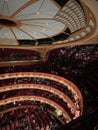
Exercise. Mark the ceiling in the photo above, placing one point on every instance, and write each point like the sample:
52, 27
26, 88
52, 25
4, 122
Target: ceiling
46, 22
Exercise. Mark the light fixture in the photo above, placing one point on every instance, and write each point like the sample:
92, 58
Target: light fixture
37, 13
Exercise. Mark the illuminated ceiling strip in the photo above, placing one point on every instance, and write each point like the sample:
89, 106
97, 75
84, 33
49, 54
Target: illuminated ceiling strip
36, 98
40, 87
47, 13
23, 7
36, 19
37, 22
26, 15
41, 26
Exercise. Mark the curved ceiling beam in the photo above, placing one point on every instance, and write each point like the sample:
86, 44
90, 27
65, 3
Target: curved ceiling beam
36, 19
13, 33
23, 7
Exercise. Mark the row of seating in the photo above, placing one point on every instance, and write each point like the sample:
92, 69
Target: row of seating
27, 119
17, 54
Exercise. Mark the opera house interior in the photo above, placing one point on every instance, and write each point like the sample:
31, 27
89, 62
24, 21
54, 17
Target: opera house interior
48, 64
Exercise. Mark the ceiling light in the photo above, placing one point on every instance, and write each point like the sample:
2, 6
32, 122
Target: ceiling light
37, 12
47, 23
5, 34
34, 33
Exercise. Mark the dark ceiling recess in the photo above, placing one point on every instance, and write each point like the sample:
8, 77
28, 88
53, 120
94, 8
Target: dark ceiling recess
26, 42
68, 31
61, 2
7, 22
60, 37
45, 41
